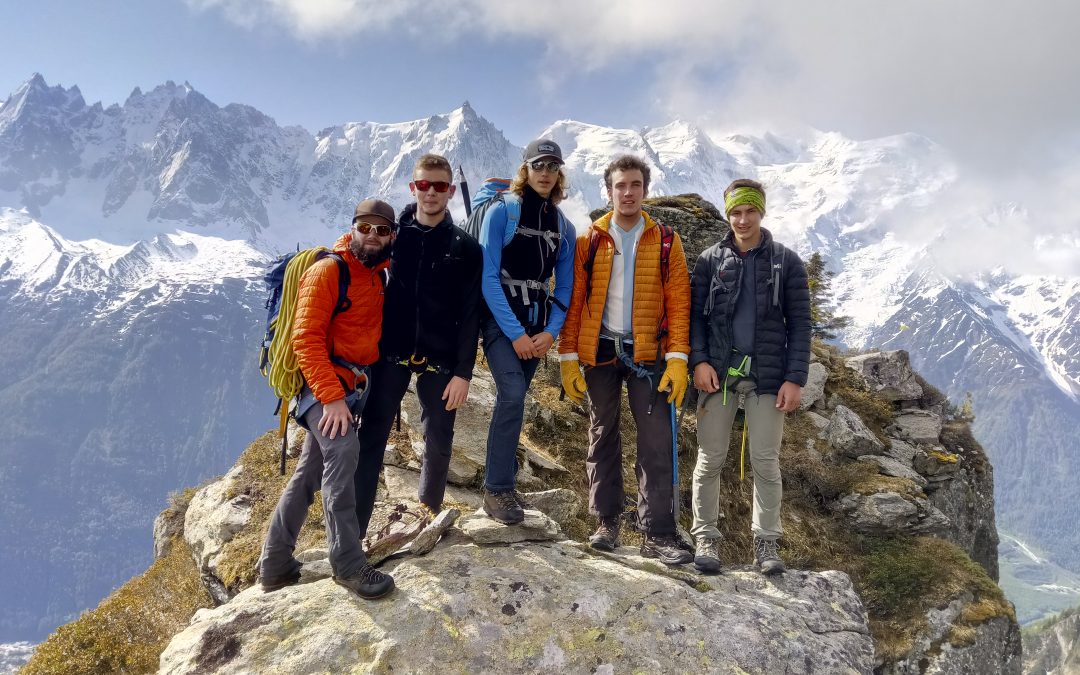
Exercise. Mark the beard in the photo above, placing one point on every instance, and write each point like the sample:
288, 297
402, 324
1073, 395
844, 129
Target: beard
369, 257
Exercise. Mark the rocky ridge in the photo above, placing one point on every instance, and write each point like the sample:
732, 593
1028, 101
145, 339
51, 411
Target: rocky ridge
879, 476
530, 600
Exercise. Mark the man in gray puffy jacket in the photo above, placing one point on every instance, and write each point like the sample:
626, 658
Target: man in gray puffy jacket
750, 340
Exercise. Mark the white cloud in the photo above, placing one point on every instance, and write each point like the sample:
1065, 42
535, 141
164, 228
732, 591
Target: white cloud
993, 83
312, 20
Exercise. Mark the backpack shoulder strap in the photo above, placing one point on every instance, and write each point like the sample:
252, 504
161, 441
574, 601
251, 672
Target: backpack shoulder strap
344, 279
513, 209
779, 252
590, 258
667, 237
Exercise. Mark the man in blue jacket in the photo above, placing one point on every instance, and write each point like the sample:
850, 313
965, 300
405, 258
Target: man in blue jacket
525, 240
749, 339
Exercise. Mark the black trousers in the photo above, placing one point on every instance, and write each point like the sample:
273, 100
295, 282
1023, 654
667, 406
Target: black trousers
389, 382
654, 464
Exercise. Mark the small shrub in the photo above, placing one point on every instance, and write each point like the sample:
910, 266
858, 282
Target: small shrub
127, 632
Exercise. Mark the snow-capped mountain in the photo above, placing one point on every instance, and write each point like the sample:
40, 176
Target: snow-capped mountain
133, 236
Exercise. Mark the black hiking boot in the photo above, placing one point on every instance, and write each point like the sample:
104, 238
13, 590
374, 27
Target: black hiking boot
606, 537
666, 549
767, 556
274, 583
503, 507
367, 582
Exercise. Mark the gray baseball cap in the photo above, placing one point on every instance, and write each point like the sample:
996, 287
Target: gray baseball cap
541, 148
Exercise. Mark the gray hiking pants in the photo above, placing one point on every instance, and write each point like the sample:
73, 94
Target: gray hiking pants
328, 465
765, 427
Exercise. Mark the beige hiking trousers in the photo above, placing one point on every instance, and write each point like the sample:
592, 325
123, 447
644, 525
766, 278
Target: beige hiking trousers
765, 426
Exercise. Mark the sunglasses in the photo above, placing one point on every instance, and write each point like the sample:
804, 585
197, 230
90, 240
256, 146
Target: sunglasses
424, 185
381, 230
551, 165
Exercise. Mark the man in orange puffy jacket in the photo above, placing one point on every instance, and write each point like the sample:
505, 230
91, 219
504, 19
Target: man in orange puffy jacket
333, 353
629, 319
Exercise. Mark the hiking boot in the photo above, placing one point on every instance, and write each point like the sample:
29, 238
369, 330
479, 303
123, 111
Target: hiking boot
274, 583
767, 556
503, 507
707, 555
522, 502
606, 537
367, 582
666, 549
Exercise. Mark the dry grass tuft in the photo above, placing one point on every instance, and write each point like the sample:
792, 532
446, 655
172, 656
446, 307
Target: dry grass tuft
127, 632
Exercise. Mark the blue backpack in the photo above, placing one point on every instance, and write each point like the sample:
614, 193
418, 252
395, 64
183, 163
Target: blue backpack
493, 190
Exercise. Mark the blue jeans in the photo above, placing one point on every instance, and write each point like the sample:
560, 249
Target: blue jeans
512, 378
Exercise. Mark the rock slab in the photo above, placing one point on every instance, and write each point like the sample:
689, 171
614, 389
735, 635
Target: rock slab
535, 608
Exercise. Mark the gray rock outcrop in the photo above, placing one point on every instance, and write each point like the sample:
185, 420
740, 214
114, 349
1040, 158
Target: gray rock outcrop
849, 436
212, 520
551, 607
887, 374
484, 530
891, 513
814, 388
994, 650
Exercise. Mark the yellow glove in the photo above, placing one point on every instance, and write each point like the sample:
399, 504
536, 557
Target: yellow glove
675, 380
573, 382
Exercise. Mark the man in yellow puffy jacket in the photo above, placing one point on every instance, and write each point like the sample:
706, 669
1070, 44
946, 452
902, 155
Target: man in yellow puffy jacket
629, 320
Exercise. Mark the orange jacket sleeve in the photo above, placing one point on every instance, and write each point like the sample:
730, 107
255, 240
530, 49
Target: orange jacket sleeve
315, 303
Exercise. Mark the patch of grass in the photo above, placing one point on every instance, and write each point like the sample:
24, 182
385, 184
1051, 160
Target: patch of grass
899, 579
261, 480
690, 202
957, 438
127, 632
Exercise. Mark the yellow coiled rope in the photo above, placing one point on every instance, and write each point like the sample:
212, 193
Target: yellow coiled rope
284, 371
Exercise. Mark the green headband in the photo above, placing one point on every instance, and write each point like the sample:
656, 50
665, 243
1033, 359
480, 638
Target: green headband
744, 195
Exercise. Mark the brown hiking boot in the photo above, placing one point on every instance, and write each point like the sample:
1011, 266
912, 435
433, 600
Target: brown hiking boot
503, 507
522, 502
606, 537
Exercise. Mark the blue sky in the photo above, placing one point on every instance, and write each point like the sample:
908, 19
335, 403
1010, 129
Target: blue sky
109, 47
995, 87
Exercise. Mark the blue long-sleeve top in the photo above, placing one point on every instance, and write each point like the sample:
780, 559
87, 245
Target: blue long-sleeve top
495, 233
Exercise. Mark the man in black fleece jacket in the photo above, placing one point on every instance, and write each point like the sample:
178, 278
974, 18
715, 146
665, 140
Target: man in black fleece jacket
749, 339
431, 323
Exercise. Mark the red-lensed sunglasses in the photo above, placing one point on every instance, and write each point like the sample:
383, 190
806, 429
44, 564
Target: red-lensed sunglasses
425, 185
